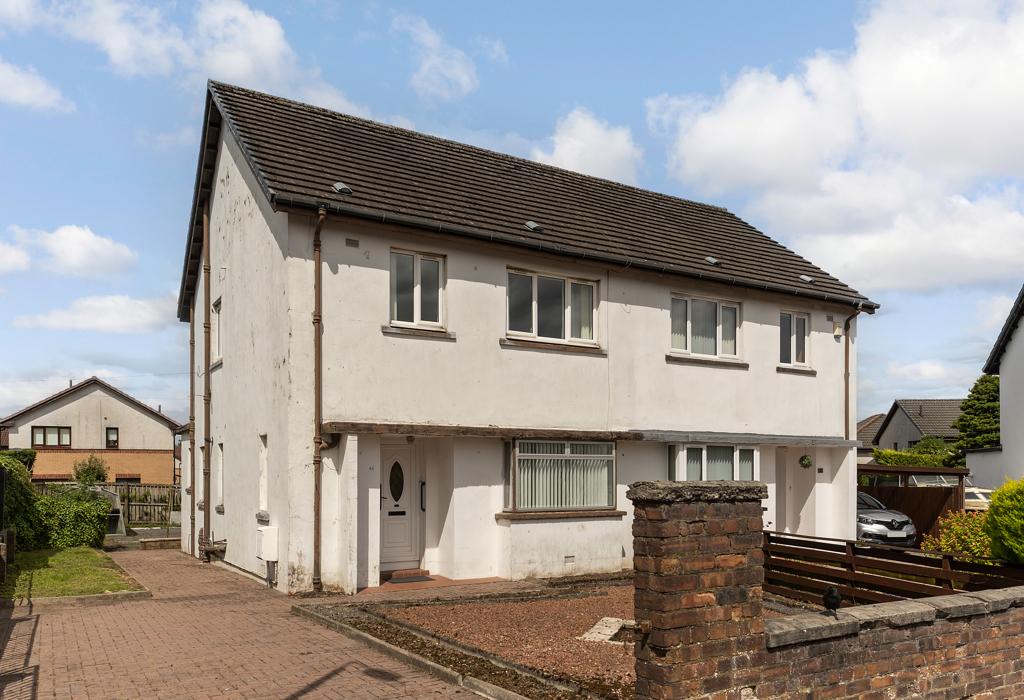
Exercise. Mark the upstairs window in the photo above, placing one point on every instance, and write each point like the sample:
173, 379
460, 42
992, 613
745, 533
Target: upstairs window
417, 288
112, 438
705, 327
551, 308
793, 329
51, 436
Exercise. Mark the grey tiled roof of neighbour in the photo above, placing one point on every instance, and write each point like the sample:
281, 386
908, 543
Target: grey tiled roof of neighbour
931, 416
297, 152
96, 381
1005, 334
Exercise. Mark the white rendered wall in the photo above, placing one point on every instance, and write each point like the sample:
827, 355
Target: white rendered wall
1011, 407
251, 386
475, 381
899, 433
89, 412
990, 469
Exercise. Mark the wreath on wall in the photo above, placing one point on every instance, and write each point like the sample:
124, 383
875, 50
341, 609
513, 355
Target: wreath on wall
806, 462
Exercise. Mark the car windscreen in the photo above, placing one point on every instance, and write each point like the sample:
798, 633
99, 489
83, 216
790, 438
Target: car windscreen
866, 501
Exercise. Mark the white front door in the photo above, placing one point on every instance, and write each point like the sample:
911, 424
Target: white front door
399, 508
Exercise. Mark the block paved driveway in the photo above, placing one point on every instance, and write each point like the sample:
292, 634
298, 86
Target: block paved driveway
206, 633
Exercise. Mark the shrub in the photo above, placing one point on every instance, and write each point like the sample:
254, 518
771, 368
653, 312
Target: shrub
26, 457
961, 533
74, 517
895, 458
931, 445
90, 470
21, 511
1005, 522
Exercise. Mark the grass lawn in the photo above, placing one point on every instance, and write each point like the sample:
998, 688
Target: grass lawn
47, 573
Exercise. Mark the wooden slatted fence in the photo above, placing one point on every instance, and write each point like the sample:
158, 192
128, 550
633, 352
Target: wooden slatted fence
802, 567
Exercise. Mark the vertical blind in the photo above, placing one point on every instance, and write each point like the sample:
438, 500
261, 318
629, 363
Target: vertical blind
582, 311
704, 327
564, 475
719, 462
678, 324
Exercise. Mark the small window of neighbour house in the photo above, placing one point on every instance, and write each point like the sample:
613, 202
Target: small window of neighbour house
50, 436
417, 289
705, 327
112, 438
793, 333
548, 475
551, 308
715, 463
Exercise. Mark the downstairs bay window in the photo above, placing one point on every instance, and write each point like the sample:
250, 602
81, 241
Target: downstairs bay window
545, 475
715, 463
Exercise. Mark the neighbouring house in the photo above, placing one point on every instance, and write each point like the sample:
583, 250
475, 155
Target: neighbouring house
425, 355
93, 417
909, 420
866, 430
990, 467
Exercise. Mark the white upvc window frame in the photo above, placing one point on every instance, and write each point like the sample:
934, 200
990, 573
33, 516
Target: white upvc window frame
513, 453
417, 306
719, 303
567, 283
794, 315
679, 463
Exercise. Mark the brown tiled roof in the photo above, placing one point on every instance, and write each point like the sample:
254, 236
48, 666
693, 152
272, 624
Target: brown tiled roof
1005, 334
297, 152
931, 416
867, 428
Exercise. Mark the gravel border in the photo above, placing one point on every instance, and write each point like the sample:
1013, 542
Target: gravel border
467, 667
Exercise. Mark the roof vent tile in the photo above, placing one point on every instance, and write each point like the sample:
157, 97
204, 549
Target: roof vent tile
341, 188
534, 226
712, 260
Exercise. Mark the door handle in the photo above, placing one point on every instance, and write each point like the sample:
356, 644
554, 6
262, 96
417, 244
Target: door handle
423, 505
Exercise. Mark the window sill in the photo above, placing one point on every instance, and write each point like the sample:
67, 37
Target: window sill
217, 364
557, 347
436, 333
596, 513
672, 358
219, 509
787, 369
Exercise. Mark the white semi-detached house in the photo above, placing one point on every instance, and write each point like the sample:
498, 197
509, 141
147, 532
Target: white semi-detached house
425, 355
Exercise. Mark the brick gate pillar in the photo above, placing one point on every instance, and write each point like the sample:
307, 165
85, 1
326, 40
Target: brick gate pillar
698, 570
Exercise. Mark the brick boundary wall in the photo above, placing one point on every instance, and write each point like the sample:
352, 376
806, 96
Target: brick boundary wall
698, 572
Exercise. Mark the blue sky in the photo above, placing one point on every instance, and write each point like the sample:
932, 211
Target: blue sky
881, 140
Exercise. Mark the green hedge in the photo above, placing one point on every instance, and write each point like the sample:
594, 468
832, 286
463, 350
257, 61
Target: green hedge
21, 510
897, 458
26, 457
1005, 522
963, 533
74, 518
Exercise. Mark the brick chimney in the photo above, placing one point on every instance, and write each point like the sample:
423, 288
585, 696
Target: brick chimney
698, 569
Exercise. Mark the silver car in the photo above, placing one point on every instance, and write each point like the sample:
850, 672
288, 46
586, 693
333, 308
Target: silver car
876, 523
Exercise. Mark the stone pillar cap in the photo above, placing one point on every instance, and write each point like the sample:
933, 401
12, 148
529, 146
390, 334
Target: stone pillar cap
696, 491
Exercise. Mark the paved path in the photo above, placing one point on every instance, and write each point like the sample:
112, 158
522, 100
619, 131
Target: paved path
206, 633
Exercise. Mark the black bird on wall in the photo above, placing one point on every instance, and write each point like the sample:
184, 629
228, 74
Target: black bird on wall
832, 600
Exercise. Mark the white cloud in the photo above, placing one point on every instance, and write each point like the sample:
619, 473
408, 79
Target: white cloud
165, 140
137, 39
922, 370
991, 313
493, 49
106, 314
894, 166
443, 71
13, 258
227, 40
18, 14
77, 251
24, 87
586, 144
